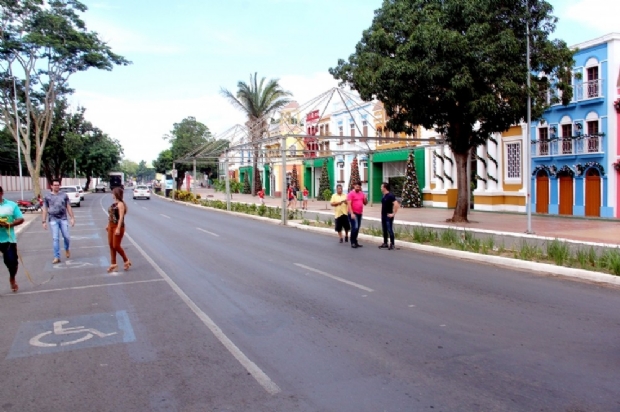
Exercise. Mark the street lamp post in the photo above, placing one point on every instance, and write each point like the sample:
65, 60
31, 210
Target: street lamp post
527, 180
17, 137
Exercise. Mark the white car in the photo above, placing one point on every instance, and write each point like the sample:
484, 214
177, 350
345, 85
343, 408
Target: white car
81, 190
142, 191
73, 193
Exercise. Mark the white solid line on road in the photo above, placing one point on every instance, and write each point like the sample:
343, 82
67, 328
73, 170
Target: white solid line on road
206, 231
260, 376
32, 292
339, 279
167, 217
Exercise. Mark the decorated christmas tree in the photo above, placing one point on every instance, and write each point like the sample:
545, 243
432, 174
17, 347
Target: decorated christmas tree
355, 173
294, 178
324, 183
412, 196
247, 188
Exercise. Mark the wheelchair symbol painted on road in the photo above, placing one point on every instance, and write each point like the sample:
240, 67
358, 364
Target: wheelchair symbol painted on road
60, 330
71, 333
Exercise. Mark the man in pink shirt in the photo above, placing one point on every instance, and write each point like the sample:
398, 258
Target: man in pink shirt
356, 200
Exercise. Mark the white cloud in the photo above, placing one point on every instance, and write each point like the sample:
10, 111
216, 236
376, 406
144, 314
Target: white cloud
139, 124
601, 15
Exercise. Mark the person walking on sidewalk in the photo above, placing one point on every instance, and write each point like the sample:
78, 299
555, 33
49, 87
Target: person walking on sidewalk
356, 200
10, 216
56, 207
389, 207
261, 196
304, 199
116, 229
339, 202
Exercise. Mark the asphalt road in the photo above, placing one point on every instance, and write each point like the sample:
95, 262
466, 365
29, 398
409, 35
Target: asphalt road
223, 313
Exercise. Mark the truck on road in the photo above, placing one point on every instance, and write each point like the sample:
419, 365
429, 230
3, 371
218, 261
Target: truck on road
117, 179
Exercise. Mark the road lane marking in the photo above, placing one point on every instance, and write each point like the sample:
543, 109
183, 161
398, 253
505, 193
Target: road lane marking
167, 217
144, 208
253, 369
339, 279
210, 233
33, 292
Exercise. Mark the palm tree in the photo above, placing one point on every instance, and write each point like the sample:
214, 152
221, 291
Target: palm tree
258, 100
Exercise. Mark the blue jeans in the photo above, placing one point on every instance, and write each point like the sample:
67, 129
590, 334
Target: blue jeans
356, 222
387, 224
59, 226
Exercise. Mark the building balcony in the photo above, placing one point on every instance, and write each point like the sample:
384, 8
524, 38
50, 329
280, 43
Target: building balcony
578, 145
588, 90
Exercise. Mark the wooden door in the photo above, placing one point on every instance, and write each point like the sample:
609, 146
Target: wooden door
542, 192
566, 195
593, 193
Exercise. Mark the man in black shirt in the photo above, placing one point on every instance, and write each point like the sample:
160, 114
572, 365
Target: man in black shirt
389, 207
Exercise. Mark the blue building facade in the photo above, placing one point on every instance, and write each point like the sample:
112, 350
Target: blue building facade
573, 145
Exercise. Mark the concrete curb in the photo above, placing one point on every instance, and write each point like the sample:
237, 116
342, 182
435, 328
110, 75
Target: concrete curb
501, 261
490, 259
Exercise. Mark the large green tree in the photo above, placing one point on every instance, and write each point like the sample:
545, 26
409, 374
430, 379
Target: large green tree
144, 173
186, 137
100, 156
42, 43
66, 141
460, 67
163, 163
258, 100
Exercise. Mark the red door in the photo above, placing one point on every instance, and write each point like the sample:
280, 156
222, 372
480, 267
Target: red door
566, 195
593, 193
542, 192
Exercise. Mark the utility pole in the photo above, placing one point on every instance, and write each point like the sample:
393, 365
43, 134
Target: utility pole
526, 178
18, 138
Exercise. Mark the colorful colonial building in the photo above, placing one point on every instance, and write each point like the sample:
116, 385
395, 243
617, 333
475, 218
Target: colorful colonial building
573, 146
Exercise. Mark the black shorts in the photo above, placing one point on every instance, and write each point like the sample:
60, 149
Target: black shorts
342, 222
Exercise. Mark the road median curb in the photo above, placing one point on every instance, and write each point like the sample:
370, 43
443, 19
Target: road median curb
506, 262
543, 268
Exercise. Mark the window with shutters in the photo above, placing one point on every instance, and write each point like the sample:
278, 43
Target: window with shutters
352, 132
341, 131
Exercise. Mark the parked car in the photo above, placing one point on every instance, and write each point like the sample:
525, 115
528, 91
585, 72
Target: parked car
73, 193
142, 191
81, 190
100, 187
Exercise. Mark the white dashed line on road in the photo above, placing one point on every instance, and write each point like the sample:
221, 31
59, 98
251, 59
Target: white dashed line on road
167, 217
144, 208
339, 279
206, 231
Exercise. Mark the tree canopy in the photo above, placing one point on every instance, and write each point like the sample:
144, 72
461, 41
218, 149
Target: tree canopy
185, 137
42, 43
460, 67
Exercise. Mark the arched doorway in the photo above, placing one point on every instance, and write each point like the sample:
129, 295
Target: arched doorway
593, 193
566, 194
542, 192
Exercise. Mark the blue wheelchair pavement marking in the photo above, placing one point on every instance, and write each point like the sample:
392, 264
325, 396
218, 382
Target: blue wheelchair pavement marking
79, 263
71, 333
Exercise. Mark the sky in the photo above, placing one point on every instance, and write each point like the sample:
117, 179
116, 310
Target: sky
184, 52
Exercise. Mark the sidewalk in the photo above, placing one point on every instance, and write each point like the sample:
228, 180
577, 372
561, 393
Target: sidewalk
605, 231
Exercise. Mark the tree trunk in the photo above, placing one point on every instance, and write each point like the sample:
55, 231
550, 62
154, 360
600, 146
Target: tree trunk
87, 185
462, 203
256, 179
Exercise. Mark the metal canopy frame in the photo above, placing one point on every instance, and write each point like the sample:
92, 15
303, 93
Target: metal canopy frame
253, 136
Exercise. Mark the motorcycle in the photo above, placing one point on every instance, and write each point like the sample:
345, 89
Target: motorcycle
33, 205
